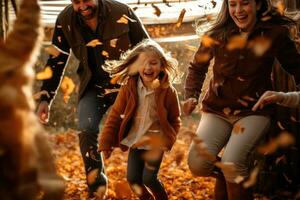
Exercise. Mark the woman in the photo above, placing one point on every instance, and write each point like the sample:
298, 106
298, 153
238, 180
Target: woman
244, 42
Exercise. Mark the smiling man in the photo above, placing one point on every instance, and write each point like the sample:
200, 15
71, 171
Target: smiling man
95, 30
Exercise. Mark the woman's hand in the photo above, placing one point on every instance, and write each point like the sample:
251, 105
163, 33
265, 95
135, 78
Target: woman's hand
189, 105
267, 98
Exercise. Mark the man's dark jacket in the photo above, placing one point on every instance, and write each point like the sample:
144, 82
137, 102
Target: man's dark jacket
118, 36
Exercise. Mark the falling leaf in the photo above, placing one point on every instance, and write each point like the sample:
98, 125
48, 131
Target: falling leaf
122, 20
179, 158
260, 45
46, 74
59, 26
294, 119
280, 125
152, 156
122, 116
252, 178
109, 91
203, 151
247, 98
94, 43
105, 53
157, 11
67, 87
59, 39
113, 43
227, 111
238, 128
214, 3
208, 41
134, 8
180, 18
236, 42
202, 57
53, 51
244, 103
285, 139
155, 84
38, 95
239, 179
266, 18
115, 79
240, 79
280, 7
236, 112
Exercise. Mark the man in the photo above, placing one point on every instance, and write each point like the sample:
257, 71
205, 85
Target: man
95, 30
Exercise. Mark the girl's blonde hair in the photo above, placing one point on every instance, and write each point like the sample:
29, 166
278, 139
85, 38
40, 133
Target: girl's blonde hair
121, 70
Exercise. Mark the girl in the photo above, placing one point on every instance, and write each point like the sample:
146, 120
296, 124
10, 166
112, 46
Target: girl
145, 117
245, 41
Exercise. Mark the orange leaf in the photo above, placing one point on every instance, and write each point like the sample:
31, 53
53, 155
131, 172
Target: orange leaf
236, 42
208, 41
94, 43
46, 74
67, 87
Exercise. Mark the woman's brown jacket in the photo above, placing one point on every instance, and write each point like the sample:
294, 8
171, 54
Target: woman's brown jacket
240, 74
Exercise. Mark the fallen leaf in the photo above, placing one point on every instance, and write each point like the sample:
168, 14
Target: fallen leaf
46, 74
94, 43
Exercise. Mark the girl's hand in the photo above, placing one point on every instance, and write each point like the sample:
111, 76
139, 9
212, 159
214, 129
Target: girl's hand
267, 98
107, 153
189, 105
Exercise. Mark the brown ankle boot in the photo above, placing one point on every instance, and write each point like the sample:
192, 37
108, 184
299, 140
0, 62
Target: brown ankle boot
220, 190
238, 192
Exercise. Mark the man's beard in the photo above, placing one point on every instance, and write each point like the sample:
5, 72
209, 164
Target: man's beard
91, 15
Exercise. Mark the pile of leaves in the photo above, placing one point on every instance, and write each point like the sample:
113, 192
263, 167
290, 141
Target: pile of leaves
174, 173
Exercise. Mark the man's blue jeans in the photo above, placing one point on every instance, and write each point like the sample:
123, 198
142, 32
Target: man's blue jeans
91, 108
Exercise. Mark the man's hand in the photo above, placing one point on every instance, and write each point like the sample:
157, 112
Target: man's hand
189, 105
267, 98
43, 112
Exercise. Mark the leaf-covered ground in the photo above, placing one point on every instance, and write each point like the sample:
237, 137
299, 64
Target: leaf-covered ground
174, 172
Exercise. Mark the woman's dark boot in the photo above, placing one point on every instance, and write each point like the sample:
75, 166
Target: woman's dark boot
238, 192
220, 190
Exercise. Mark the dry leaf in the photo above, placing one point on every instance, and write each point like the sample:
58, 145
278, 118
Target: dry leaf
208, 41
67, 87
227, 111
244, 103
280, 7
236, 42
94, 43
105, 53
122, 20
180, 18
53, 51
113, 43
202, 57
46, 74
38, 95
237, 128
280, 125
109, 91
155, 84
157, 11
214, 3
260, 45
247, 98
252, 178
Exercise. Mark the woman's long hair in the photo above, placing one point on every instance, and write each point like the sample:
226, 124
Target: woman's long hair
121, 70
224, 23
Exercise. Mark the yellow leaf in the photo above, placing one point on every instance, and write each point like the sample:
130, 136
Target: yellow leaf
67, 87
113, 43
236, 42
46, 74
180, 18
105, 53
122, 20
53, 51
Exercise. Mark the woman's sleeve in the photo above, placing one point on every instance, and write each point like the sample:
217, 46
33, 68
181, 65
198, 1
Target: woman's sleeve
197, 72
